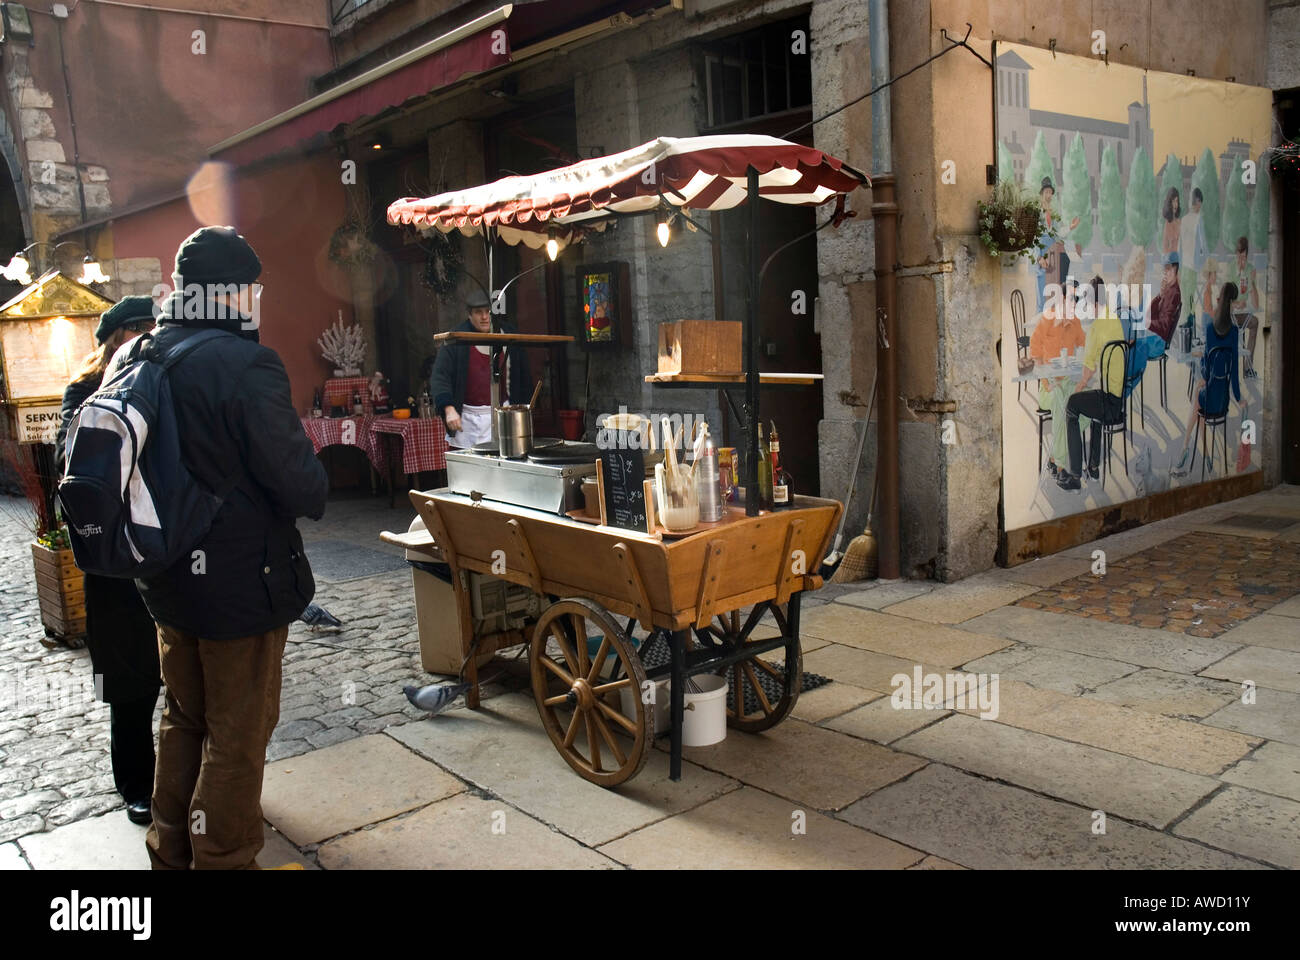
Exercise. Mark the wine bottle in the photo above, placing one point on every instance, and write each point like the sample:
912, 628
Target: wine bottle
764, 471
781, 491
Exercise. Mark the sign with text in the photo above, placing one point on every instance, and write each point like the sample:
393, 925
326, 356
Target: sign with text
38, 424
623, 477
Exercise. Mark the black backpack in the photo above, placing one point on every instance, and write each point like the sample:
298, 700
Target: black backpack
133, 509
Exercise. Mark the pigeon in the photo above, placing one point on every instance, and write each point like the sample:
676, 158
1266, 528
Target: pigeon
436, 697
317, 616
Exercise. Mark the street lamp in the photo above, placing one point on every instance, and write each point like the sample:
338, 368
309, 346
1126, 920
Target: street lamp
19, 267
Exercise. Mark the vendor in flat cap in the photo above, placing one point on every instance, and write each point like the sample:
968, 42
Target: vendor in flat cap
461, 384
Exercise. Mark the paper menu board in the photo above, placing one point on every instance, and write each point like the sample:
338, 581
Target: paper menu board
40, 356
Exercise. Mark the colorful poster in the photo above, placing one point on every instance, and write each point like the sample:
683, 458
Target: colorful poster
1132, 359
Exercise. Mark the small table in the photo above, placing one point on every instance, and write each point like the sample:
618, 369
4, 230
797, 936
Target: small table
423, 446
352, 431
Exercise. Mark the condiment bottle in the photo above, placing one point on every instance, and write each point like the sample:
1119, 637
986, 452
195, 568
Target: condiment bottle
764, 471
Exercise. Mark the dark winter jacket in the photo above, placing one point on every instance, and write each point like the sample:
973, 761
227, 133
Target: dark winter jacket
237, 422
451, 373
120, 634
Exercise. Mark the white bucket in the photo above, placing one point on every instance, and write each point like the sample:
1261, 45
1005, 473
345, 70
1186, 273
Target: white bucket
705, 720
659, 709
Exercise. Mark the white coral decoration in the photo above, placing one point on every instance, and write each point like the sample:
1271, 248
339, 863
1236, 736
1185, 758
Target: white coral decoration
344, 347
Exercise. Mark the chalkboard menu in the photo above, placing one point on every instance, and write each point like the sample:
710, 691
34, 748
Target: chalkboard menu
623, 476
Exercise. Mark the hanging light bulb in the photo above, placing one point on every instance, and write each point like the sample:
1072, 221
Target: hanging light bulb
18, 269
662, 230
91, 271
552, 245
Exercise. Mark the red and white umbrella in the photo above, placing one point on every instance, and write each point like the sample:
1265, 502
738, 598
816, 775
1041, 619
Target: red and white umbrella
700, 173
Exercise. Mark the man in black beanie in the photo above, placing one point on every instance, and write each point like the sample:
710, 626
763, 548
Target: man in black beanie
223, 611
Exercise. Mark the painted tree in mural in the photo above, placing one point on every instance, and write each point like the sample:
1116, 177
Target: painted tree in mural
1141, 206
1259, 210
1110, 202
1236, 215
1076, 193
1206, 179
1006, 168
1040, 166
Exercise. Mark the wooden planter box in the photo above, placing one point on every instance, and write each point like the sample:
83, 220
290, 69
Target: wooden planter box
61, 589
700, 347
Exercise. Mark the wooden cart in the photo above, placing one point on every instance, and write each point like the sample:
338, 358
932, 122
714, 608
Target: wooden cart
703, 596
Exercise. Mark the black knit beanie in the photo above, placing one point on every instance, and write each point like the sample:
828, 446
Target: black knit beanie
125, 313
216, 255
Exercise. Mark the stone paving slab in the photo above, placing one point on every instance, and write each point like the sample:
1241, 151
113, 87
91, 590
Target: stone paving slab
936, 863
899, 636
992, 826
862, 668
339, 788
1263, 666
1274, 715
1044, 571
1120, 545
884, 723
1169, 694
458, 834
1251, 823
804, 763
885, 593
1127, 644
112, 842
1188, 746
11, 857
955, 602
1060, 670
1097, 779
1288, 608
503, 748
1273, 768
1267, 630
749, 829
830, 701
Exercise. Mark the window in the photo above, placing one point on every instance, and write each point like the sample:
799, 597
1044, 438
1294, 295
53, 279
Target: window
756, 73
341, 8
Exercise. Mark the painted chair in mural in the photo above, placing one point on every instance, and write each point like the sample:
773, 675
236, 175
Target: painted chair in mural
1022, 344
1212, 409
1115, 352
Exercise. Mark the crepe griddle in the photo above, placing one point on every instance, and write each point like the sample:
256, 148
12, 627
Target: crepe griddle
564, 452
494, 448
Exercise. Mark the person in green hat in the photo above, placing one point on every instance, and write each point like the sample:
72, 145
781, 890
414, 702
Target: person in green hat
120, 634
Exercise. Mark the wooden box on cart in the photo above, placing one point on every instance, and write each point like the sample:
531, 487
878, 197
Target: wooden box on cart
700, 348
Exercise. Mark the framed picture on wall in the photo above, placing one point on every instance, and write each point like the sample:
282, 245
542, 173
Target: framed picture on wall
604, 311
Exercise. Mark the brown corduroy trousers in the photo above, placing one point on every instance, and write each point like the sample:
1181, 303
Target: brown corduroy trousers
222, 703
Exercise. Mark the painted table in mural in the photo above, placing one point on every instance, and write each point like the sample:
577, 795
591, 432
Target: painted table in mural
1072, 370
423, 447
1191, 360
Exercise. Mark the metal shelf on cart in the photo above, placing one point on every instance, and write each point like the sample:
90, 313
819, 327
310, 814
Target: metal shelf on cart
488, 339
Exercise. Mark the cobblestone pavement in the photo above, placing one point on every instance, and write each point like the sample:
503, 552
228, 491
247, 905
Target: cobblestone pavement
1183, 735
1202, 584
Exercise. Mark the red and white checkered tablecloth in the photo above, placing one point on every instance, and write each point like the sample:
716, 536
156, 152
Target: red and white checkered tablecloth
424, 442
333, 431
339, 391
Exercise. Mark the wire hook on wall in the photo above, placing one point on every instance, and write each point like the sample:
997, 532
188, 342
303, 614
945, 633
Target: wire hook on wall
943, 32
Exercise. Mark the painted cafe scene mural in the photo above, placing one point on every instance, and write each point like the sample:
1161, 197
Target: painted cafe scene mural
1138, 362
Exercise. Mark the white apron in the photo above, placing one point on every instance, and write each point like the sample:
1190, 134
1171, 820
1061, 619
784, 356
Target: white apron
475, 427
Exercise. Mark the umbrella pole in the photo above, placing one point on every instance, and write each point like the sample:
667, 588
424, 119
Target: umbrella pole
494, 350
751, 357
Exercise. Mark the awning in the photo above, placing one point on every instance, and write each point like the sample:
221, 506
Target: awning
477, 46
701, 173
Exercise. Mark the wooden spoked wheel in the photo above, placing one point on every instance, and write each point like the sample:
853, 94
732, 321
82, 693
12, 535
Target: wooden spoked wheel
577, 697
754, 704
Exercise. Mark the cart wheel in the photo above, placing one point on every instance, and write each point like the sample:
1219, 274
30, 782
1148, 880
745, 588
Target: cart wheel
753, 706
578, 706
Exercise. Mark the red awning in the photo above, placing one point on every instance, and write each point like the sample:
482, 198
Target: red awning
463, 52
702, 173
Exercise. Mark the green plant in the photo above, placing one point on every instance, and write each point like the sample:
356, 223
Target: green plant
1076, 193
1011, 221
1141, 205
1111, 201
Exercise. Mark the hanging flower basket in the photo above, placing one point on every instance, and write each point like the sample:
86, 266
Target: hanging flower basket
1011, 221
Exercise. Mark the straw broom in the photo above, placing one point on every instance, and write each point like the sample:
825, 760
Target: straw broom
860, 559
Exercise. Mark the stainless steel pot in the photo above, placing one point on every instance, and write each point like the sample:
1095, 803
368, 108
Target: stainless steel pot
514, 431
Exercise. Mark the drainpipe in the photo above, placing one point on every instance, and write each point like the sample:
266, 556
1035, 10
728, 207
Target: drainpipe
884, 213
